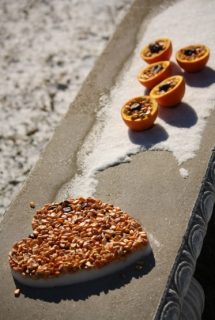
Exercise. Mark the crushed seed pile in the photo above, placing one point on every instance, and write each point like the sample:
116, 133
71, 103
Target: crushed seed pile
186, 123
192, 53
76, 234
47, 50
152, 71
138, 109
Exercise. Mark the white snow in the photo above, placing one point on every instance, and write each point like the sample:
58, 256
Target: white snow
184, 173
153, 240
47, 50
177, 130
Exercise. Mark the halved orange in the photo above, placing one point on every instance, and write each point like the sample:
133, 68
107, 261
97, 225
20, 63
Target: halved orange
193, 58
169, 92
140, 113
160, 50
154, 74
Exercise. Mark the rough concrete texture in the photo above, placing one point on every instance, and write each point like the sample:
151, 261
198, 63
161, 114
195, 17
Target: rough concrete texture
47, 50
162, 202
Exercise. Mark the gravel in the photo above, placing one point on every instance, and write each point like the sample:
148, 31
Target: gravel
47, 50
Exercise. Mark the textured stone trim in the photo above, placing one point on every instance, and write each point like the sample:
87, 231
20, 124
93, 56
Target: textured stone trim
170, 307
194, 301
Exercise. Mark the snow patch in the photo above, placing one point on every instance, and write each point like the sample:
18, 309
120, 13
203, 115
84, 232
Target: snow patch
184, 173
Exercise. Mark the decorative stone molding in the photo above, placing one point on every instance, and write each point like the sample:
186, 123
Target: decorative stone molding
193, 304
179, 282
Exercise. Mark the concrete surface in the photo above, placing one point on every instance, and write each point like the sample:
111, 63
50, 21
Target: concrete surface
162, 202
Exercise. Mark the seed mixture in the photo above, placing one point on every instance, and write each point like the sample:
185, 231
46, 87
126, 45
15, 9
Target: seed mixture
151, 71
17, 292
32, 205
192, 53
139, 109
155, 47
167, 86
73, 235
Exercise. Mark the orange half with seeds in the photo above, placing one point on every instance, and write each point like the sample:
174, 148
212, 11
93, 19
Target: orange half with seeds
160, 50
169, 92
154, 74
140, 113
193, 58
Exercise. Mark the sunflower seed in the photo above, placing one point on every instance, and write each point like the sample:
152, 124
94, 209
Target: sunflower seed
135, 106
165, 87
155, 47
67, 209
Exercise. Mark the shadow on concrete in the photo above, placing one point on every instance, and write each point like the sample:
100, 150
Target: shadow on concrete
83, 291
181, 116
201, 79
176, 70
149, 137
